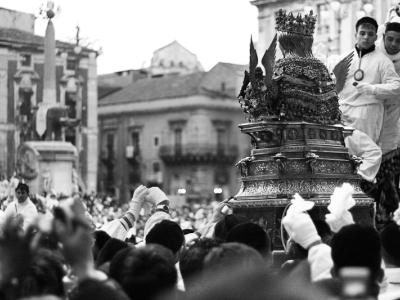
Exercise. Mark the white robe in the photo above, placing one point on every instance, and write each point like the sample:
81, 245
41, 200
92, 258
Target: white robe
390, 135
365, 112
361, 145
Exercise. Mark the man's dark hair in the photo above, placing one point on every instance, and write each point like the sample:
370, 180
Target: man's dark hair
367, 20
100, 239
91, 289
232, 255
107, 252
357, 246
390, 238
144, 273
251, 235
44, 276
168, 234
393, 26
22, 187
223, 227
191, 261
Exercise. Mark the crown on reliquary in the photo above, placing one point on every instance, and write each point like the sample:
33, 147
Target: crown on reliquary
295, 25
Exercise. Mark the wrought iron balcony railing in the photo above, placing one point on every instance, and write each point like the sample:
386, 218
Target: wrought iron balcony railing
198, 153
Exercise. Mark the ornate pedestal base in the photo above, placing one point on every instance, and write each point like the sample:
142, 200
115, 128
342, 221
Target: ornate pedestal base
295, 157
47, 165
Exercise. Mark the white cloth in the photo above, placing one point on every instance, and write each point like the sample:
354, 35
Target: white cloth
320, 260
180, 284
390, 135
115, 229
366, 118
361, 145
392, 290
26, 209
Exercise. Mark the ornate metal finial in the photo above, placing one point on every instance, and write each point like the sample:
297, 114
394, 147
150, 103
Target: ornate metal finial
295, 25
48, 10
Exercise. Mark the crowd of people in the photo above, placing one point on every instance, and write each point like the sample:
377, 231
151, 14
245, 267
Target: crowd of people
63, 255
90, 248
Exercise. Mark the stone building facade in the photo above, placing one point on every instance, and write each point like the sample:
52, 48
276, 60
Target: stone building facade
335, 33
21, 90
178, 132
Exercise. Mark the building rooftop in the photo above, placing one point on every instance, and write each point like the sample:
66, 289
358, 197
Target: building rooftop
157, 88
209, 83
18, 39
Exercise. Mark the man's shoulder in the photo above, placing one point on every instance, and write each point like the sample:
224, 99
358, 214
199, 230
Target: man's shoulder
379, 56
30, 204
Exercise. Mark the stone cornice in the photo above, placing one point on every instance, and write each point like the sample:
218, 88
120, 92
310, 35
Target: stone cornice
259, 3
176, 104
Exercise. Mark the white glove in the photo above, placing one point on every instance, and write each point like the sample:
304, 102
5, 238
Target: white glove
366, 88
138, 198
156, 196
301, 229
341, 201
337, 223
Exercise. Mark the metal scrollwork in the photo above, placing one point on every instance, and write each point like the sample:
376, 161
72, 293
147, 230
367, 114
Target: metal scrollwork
280, 160
244, 165
311, 159
356, 161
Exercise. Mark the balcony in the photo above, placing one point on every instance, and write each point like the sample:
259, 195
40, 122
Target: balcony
195, 153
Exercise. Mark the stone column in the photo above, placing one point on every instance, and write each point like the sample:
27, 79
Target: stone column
49, 77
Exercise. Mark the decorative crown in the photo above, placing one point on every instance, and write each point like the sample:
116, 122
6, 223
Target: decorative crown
295, 25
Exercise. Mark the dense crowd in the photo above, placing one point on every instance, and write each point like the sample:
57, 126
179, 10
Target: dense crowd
190, 254
75, 248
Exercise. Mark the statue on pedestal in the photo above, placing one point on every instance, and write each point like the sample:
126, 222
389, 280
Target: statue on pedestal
298, 142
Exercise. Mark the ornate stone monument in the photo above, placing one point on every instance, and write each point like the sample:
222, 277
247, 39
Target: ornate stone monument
296, 136
48, 163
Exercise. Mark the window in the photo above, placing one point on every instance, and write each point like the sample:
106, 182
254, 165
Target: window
156, 141
135, 138
71, 64
26, 60
156, 167
221, 140
110, 145
178, 140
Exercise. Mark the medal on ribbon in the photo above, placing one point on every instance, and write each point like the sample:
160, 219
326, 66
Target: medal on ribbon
359, 73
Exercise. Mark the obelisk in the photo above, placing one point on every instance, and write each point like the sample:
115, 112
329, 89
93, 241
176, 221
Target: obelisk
49, 78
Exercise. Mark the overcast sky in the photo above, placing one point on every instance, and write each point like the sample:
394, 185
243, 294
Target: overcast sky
130, 30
